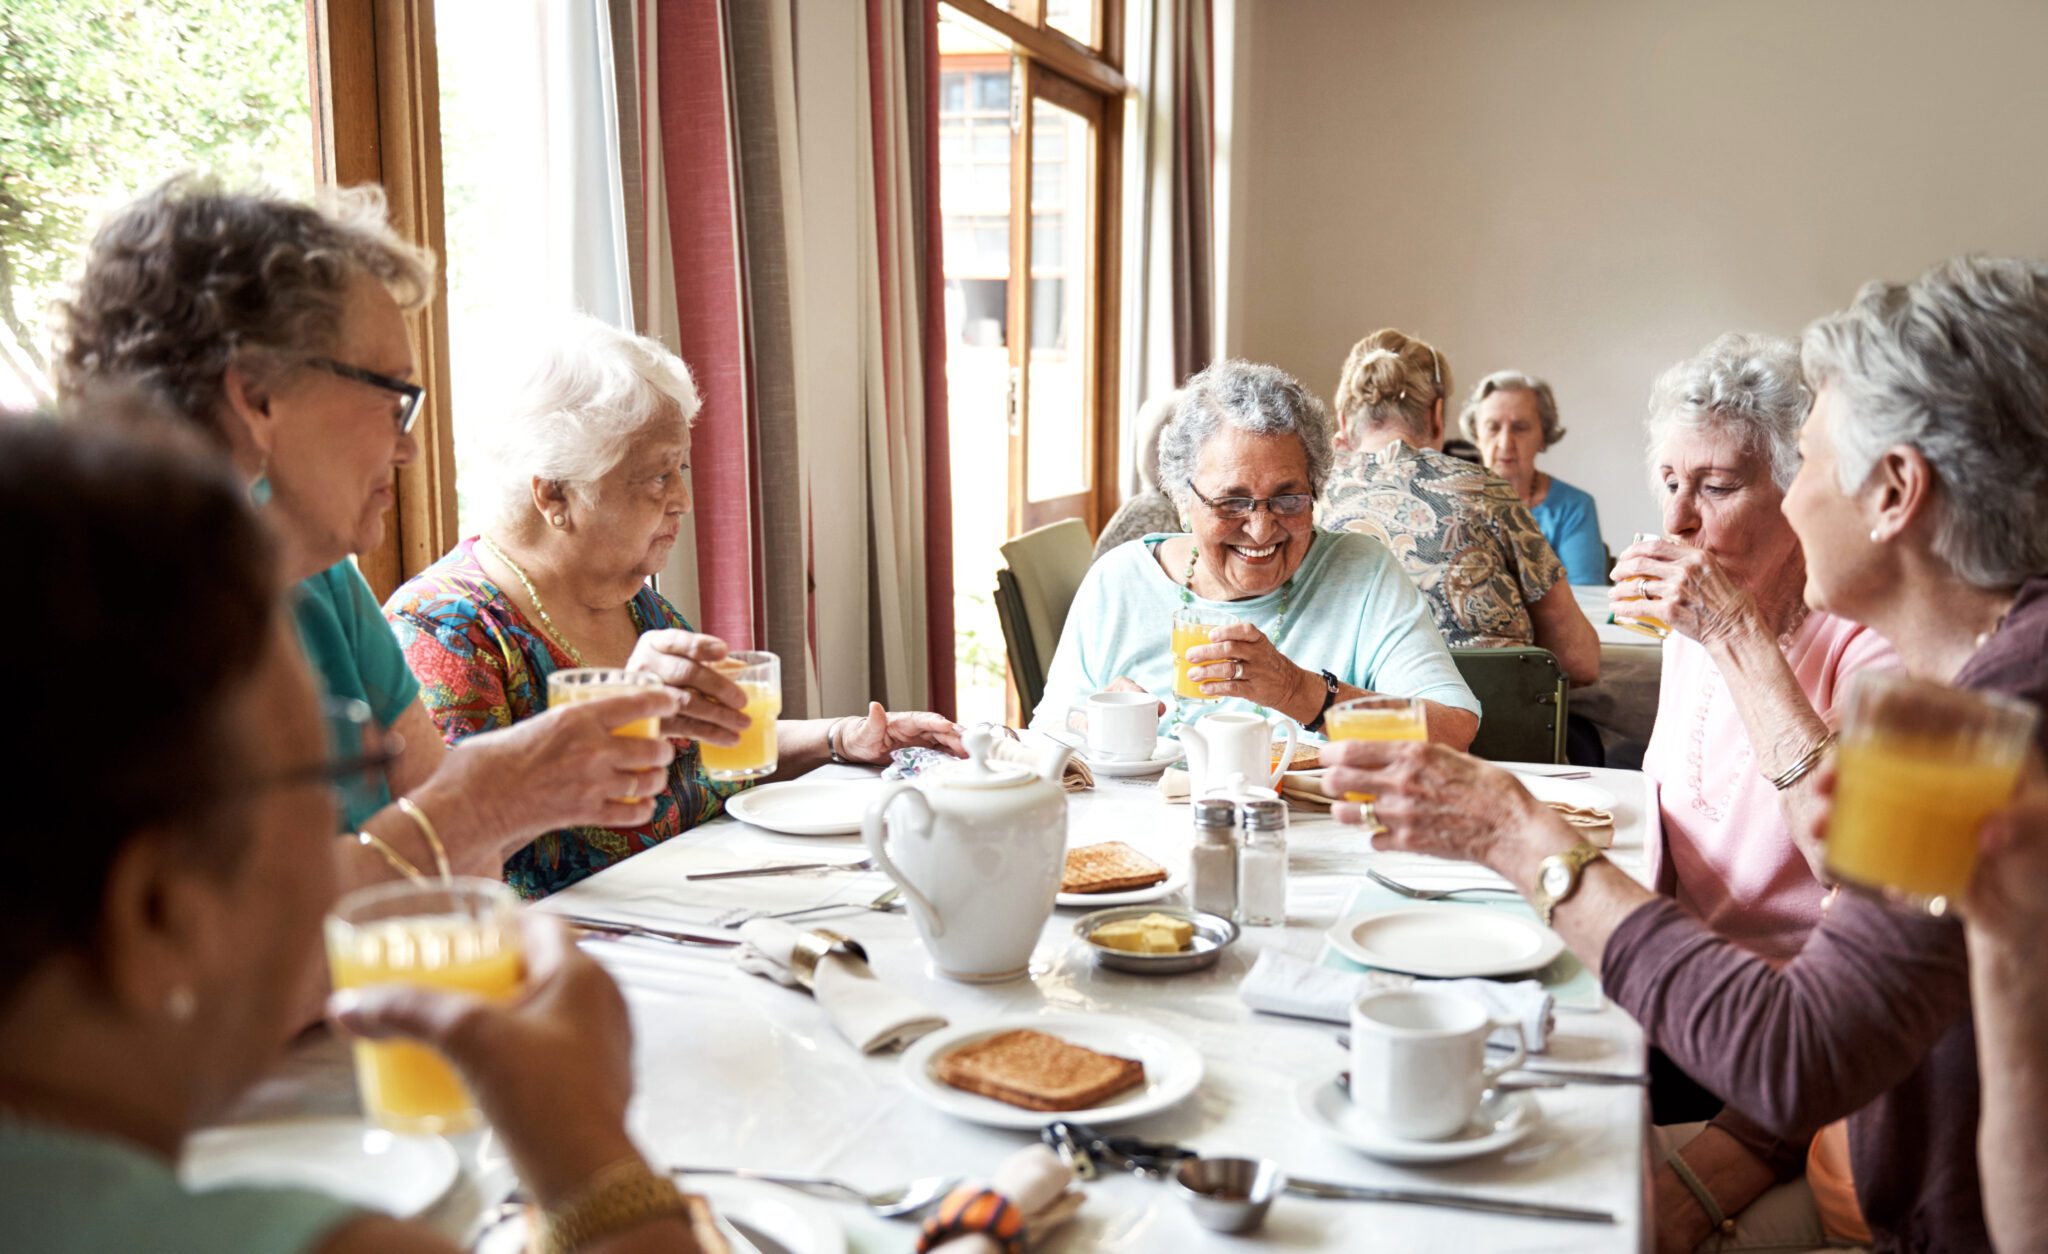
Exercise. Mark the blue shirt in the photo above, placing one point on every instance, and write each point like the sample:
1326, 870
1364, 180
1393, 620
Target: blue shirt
1571, 522
1351, 610
356, 656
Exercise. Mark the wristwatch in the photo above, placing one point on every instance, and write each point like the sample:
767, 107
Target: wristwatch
1557, 877
1329, 699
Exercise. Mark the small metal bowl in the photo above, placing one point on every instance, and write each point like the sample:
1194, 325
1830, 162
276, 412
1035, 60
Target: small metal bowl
1213, 934
1229, 1194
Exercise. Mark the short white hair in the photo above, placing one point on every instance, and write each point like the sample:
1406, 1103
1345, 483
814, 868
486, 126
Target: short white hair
1258, 399
1744, 383
589, 390
1954, 364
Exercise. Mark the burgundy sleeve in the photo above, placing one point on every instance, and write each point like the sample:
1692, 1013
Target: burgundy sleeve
1797, 1047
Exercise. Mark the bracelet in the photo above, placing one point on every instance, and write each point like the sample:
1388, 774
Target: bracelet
624, 1195
1700, 1193
1804, 767
419, 817
399, 862
970, 1208
832, 743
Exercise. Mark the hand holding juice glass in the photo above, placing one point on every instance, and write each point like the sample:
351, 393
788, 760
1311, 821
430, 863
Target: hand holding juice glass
1377, 717
594, 683
759, 676
1647, 624
1192, 627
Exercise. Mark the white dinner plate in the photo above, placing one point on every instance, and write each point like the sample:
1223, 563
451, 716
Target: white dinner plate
771, 1218
1129, 897
833, 807
1446, 942
1503, 1119
1164, 754
1568, 792
1173, 1069
345, 1158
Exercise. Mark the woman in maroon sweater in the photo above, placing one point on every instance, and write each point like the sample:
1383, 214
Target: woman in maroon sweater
1922, 506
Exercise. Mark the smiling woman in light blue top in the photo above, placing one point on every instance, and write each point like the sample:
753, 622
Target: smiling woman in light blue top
1324, 618
1512, 417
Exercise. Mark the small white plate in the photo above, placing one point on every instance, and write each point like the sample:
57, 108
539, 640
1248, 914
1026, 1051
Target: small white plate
1568, 792
1129, 897
1164, 754
345, 1158
1446, 942
806, 807
1503, 1119
1173, 1069
772, 1219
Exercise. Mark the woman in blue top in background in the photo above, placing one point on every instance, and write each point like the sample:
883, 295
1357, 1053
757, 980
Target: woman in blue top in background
1512, 417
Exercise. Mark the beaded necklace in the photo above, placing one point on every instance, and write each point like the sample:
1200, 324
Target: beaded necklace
534, 596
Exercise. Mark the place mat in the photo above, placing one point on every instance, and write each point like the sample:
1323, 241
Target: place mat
1567, 980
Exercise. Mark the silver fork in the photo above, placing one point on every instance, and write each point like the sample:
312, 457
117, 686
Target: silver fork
886, 901
1434, 894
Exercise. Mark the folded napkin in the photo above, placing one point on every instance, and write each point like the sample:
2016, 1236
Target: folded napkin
1305, 789
1033, 1181
1076, 778
1283, 985
866, 1011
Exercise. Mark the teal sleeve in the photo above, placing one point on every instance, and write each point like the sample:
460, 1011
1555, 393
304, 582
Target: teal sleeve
1574, 531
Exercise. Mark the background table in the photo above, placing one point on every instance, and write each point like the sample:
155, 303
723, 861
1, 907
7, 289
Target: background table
1623, 705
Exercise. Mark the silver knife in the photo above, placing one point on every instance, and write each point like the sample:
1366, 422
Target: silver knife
612, 927
766, 870
1454, 1201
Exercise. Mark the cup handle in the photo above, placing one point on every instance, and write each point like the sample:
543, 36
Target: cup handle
1494, 1071
873, 832
1286, 755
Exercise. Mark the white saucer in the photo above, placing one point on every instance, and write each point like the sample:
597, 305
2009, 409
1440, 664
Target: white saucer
1173, 1069
1129, 897
832, 807
1164, 754
1568, 792
1446, 942
1503, 1119
345, 1158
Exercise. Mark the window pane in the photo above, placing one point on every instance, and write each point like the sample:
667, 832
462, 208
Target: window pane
1072, 17
1057, 425
992, 93
952, 93
100, 102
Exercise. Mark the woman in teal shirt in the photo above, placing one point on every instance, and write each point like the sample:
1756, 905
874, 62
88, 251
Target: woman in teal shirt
1512, 417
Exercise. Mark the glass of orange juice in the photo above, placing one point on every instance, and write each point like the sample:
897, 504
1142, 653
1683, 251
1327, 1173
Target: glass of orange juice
1192, 626
592, 683
1648, 624
759, 675
1376, 717
456, 934
1919, 767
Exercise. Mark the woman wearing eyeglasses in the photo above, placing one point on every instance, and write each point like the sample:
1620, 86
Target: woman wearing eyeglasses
1322, 618
1490, 578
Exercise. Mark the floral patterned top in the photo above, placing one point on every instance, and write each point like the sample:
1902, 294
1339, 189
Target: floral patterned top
1460, 532
481, 664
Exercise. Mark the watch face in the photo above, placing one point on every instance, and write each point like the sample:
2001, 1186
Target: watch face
1556, 879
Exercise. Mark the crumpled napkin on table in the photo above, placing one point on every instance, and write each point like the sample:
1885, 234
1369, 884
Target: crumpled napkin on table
907, 763
1284, 985
866, 1011
1036, 1182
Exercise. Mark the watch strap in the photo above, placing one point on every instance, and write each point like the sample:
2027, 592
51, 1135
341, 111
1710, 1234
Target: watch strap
1575, 860
1329, 699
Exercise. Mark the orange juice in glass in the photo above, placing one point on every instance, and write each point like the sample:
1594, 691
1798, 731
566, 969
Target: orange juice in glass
1919, 767
1376, 718
1191, 627
1647, 624
593, 683
456, 934
759, 675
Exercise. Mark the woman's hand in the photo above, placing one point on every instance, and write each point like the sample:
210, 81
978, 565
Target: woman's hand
1685, 588
874, 738
1239, 661
710, 706
1124, 683
1434, 800
551, 1069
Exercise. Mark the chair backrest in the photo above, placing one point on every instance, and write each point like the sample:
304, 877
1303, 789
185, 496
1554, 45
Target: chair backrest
1046, 568
1524, 697
1025, 667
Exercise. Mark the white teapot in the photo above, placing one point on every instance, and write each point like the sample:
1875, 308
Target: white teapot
979, 862
1233, 743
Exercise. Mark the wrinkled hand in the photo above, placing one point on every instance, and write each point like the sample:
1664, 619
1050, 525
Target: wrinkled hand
563, 767
2008, 897
1683, 586
552, 1068
1124, 683
709, 706
874, 738
1430, 799
1239, 661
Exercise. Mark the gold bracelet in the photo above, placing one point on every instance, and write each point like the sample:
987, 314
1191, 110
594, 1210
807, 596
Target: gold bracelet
624, 1195
1804, 766
398, 861
419, 817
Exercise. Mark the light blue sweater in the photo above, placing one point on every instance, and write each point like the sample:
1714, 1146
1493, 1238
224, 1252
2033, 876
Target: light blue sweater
1352, 612
1571, 522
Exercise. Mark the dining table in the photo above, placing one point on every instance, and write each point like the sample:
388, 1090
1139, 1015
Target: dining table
1622, 703
736, 1071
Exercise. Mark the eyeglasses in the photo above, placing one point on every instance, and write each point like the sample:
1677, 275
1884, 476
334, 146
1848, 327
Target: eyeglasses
409, 394
1289, 505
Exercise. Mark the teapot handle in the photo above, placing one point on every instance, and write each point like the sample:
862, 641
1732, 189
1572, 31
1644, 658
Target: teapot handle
873, 834
1287, 754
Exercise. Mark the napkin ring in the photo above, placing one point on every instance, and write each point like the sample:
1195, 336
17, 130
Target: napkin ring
970, 1208
813, 946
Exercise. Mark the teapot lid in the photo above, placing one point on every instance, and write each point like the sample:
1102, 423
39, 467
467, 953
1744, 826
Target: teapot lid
979, 770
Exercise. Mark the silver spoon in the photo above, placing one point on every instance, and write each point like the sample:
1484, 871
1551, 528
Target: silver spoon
1433, 894
904, 1199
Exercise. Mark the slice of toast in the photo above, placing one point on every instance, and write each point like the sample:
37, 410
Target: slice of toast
1110, 867
1308, 755
1038, 1071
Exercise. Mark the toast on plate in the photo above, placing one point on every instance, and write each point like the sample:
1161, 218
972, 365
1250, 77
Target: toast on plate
1110, 867
1038, 1071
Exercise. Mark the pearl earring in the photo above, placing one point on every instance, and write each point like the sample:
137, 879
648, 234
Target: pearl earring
181, 1004
1874, 537
562, 520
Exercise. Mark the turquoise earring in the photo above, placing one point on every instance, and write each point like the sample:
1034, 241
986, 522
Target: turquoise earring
259, 491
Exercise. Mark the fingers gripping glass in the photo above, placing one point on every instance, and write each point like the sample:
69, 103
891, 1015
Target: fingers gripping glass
1291, 505
409, 394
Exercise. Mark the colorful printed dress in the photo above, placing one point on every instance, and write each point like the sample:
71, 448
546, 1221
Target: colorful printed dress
482, 664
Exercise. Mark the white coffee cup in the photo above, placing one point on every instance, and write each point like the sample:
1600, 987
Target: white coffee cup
1418, 1059
1121, 726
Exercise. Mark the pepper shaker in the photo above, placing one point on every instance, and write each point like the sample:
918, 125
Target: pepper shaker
1214, 858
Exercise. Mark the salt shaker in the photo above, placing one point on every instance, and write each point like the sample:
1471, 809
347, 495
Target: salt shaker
1214, 860
1262, 865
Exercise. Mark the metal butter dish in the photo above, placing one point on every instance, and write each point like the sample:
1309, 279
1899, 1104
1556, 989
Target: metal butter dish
1212, 935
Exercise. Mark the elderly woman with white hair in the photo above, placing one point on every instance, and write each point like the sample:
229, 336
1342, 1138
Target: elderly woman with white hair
591, 462
1322, 618
1512, 417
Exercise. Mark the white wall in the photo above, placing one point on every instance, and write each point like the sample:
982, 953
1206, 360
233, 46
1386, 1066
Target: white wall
1591, 189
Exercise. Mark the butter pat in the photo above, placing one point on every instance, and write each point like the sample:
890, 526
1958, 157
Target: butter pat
1152, 934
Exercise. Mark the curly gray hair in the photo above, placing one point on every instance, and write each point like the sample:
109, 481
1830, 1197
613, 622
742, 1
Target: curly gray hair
1261, 400
1743, 382
1512, 381
1954, 364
